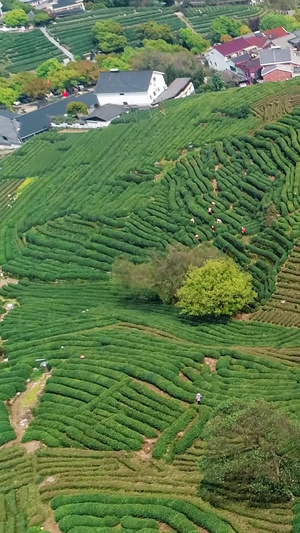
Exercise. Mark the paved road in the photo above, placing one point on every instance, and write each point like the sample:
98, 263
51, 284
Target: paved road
56, 43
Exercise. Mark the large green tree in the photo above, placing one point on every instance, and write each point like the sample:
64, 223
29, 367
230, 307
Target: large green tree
162, 275
217, 288
108, 35
49, 67
7, 96
273, 20
253, 450
14, 18
152, 30
193, 41
225, 26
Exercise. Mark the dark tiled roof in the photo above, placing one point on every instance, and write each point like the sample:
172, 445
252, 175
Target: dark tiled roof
6, 113
126, 81
173, 90
241, 58
107, 112
9, 131
64, 3
39, 120
275, 55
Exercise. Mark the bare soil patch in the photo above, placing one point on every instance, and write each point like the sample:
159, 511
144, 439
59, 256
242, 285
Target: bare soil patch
211, 362
67, 130
6, 280
215, 183
162, 526
182, 376
243, 317
50, 524
145, 454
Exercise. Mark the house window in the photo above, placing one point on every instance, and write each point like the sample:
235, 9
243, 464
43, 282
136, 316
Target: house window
125, 103
122, 94
5, 138
154, 79
233, 69
154, 93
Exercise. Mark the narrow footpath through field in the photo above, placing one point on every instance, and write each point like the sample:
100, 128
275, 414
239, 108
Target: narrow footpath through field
57, 44
20, 412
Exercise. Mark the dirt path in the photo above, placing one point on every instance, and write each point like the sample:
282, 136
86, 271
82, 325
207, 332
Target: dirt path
20, 412
184, 20
215, 186
211, 363
50, 524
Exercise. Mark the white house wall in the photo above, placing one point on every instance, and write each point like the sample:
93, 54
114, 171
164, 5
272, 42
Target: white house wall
139, 99
217, 61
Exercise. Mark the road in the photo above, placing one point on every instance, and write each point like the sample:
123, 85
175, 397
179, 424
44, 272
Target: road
56, 43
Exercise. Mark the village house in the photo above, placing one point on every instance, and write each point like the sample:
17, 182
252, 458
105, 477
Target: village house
179, 88
129, 88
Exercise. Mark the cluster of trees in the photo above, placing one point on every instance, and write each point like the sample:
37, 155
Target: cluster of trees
252, 449
196, 280
18, 17
109, 36
223, 29
159, 51
50, 76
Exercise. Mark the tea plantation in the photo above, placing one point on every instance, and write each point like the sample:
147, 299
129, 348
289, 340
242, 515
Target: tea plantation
112, 439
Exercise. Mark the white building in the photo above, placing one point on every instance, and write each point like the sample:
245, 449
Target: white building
129, 87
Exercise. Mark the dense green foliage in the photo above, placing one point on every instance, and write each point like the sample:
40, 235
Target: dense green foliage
254, 446
217, 288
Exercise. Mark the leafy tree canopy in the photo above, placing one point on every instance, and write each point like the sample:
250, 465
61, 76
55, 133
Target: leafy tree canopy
225, 26
253, 450
14, 18
36, 88
162, 275
111, 42
47, 68
244, 29
225, 38
162, 46
153, 31
7, 96
217, 83
174, 65
77, 108
273, 20
217, 288
193, 41
87, 71
41, 18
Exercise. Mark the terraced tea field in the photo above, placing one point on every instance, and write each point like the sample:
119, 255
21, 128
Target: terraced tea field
76, 32
110, 438
202, 18
25, 51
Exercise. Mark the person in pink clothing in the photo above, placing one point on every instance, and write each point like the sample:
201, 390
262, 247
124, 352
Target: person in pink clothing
243, 230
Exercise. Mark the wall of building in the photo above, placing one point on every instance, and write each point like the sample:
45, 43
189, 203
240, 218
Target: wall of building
277, 75
217, 61
189, 89
139, 99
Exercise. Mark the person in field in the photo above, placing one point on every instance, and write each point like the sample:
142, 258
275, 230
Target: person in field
243, 230
198, 398
210, 211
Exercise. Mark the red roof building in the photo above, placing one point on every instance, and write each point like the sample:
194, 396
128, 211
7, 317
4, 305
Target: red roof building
275, 33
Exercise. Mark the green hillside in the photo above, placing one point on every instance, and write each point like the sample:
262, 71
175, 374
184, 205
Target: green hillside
112, 439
